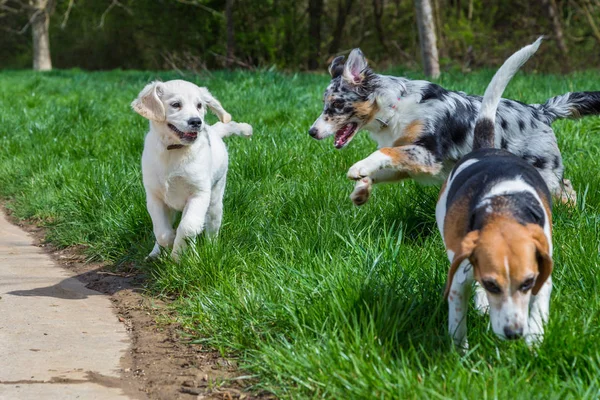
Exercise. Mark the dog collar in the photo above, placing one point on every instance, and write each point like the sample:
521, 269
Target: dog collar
385, 124
175, 146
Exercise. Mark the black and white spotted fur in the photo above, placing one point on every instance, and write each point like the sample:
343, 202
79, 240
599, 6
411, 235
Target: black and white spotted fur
441, 126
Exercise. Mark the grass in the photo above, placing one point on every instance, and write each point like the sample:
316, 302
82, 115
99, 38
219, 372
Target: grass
320, 299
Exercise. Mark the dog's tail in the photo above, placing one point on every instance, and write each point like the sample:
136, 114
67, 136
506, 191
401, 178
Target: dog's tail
484, 128
232, 128
570, 105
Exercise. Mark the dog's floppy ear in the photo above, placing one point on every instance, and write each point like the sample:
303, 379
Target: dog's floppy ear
545, 263
336, 67
355, 67
466, 250
148, 103
215, 106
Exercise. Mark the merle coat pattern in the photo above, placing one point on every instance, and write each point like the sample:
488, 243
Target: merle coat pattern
422, 129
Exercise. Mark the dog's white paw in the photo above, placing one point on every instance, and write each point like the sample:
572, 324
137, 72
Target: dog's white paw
358, 171
362, 191
245, 129
154, 254
226, 117
482, 304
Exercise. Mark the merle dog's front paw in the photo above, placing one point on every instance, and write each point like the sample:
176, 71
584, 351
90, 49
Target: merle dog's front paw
362, 191
358, 171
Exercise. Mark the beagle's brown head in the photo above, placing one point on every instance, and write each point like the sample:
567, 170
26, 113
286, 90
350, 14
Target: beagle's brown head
511, 262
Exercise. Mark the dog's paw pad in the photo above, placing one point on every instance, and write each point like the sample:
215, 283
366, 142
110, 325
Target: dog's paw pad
362, 191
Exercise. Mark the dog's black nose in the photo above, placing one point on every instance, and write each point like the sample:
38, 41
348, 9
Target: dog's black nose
513, 334
195, 122
313, 132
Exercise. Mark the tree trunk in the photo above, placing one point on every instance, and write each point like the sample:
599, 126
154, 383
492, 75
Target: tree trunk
315, 10
429, 51
552, 13
41, 39
230, 33
344, 8
378, 14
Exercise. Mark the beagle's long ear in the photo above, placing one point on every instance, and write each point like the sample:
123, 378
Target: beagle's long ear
545, 263
148, 103
466, 250
336, 67
215, 106
355, 68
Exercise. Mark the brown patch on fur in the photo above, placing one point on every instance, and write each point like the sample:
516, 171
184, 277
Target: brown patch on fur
366, 110
402, 161
455, 224
411, 133
504, 240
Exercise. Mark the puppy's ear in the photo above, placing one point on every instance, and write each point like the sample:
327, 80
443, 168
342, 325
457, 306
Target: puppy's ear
355, 68
148, 103
466, 250
545, 263
336, 67
215, 106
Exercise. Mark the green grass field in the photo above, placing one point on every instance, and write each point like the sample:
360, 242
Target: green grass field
319, 298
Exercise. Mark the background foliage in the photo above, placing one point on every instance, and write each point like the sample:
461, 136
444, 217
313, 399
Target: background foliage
190, 34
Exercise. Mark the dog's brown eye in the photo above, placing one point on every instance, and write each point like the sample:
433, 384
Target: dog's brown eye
199, 106
176, 105
528, 284
491, 287
338, 104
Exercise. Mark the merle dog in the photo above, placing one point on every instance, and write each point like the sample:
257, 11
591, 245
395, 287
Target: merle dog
422, 129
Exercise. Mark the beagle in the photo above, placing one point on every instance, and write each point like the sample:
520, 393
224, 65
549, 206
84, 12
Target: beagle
494, 214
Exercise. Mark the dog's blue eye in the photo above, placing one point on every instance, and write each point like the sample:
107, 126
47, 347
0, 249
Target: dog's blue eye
528, 284
176, 105
491, 287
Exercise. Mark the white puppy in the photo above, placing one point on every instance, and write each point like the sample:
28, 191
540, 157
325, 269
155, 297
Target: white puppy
184, 163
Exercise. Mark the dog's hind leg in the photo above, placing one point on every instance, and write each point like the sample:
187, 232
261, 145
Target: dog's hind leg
215, 208
162, 223
192, 221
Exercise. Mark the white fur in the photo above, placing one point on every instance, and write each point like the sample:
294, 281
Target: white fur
493, 93
192, 178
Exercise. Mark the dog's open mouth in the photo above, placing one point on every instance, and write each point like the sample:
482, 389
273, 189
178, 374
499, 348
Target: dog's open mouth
184, 135
344, 135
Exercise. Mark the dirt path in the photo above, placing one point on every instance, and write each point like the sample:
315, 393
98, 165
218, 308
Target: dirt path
73, 329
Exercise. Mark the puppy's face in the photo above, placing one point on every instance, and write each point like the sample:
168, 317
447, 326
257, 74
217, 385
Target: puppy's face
511, 263
180, 106
349, 101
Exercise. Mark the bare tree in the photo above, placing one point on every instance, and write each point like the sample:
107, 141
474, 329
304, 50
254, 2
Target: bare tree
315, 11
429, 51
230, 32
344, 7
38, 13
378, 14
552, 14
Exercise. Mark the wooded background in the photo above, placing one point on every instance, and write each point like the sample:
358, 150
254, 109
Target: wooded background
296, 34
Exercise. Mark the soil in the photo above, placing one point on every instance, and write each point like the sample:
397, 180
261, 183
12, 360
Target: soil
161, 364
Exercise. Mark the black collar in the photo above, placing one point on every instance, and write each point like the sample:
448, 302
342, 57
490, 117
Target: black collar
175, 146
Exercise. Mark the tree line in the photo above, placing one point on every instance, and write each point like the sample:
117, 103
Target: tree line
294, 34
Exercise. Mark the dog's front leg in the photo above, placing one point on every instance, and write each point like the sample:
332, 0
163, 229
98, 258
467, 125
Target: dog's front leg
362, 188
192, 221
538, 314
458, 299
412, 159
162, 223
